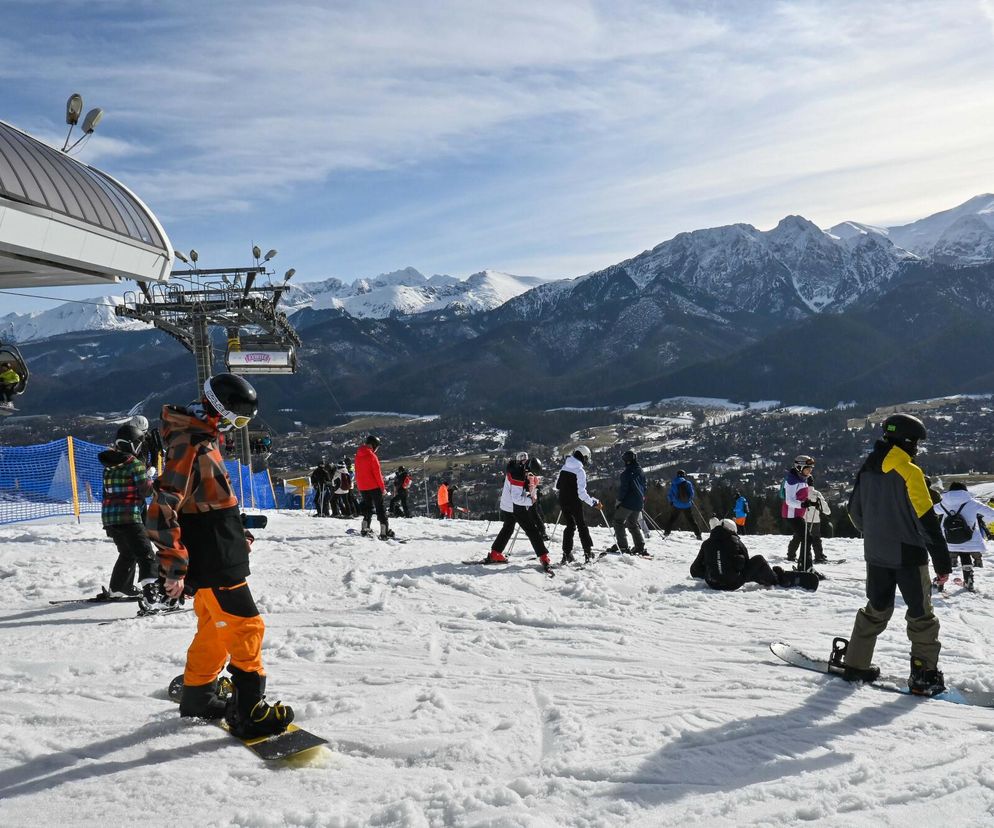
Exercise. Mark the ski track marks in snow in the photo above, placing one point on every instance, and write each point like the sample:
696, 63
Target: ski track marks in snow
452, 695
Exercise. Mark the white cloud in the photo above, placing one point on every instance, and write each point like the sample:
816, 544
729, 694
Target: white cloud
639, 119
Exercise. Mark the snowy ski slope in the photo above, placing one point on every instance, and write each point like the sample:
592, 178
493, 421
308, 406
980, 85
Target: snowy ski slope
623, 695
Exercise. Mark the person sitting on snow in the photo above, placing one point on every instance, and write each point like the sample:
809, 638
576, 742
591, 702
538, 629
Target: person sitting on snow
725, 564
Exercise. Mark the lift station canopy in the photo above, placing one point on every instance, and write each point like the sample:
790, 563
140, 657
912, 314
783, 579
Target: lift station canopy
65, 223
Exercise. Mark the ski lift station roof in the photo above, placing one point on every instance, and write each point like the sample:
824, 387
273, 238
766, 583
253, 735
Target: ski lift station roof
64, 223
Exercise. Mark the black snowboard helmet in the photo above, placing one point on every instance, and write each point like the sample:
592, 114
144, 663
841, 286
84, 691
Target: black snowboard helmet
629, 457
681, 473
401, 470
374, 441
535, 466
129, 439
231, 398
904, 430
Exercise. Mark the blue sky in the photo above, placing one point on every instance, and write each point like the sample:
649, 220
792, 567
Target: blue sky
545, 139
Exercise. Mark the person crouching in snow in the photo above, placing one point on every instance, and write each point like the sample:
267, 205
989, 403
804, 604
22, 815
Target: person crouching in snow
516, 510
203, 548
725, 564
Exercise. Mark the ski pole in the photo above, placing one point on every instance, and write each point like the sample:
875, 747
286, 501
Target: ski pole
552, 537
511, 547
704, 523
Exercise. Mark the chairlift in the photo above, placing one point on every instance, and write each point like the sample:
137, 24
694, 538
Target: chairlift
260, 355
10, 355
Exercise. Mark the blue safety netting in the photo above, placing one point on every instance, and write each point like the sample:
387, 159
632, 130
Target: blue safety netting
37, 481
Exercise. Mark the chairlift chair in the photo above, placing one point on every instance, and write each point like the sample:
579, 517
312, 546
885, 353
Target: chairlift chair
10, 353
261, 355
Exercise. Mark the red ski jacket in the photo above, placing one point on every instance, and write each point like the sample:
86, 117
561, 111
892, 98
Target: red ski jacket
367, 470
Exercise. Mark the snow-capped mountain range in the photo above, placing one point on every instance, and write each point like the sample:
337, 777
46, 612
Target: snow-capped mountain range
793, 270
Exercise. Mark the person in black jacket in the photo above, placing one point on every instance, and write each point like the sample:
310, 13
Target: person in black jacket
631, 500
321, 481
724, 563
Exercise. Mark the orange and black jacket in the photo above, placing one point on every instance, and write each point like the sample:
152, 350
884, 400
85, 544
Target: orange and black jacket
193, 519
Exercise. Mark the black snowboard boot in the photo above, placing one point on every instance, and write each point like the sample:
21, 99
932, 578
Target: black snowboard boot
202, 701
248, 714
791, 578
867, 674
925, 682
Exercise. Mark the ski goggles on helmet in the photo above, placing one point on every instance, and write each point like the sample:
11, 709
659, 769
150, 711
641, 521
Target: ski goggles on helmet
229, 419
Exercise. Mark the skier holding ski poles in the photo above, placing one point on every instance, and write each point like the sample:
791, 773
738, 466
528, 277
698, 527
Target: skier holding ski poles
516, 511
572, 487
631, 500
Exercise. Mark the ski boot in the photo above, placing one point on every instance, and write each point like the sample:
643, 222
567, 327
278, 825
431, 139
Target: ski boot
968, 580
588, 556
248, 714
367, 530
495, 558
939, 583
923, 681
567, 559
546, 566
386, 532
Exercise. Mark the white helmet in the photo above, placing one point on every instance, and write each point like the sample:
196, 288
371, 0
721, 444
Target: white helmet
521, 456
139, 422
803, 460
582, 453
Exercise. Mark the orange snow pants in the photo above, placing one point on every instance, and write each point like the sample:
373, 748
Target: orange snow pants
228, 626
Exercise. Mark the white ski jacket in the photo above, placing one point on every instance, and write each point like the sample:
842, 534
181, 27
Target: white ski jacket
951, 501
813, 513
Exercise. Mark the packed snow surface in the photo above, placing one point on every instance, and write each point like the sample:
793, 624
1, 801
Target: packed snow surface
622, 695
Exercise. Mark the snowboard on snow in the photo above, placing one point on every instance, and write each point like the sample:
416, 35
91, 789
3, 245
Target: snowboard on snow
291, 742
374, 536
795, 657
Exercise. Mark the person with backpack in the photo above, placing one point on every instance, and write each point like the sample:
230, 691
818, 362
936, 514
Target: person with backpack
572, 487
344, 499
795, 502
891, 506
812, 518
631, 501
725, 564
961, 515
681, 498
740, 512
401, 483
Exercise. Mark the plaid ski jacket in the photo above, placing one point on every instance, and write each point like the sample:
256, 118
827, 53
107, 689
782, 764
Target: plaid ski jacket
194, 480
126, 485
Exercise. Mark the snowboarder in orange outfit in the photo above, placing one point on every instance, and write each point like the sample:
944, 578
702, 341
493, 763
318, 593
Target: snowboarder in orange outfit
203, 549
